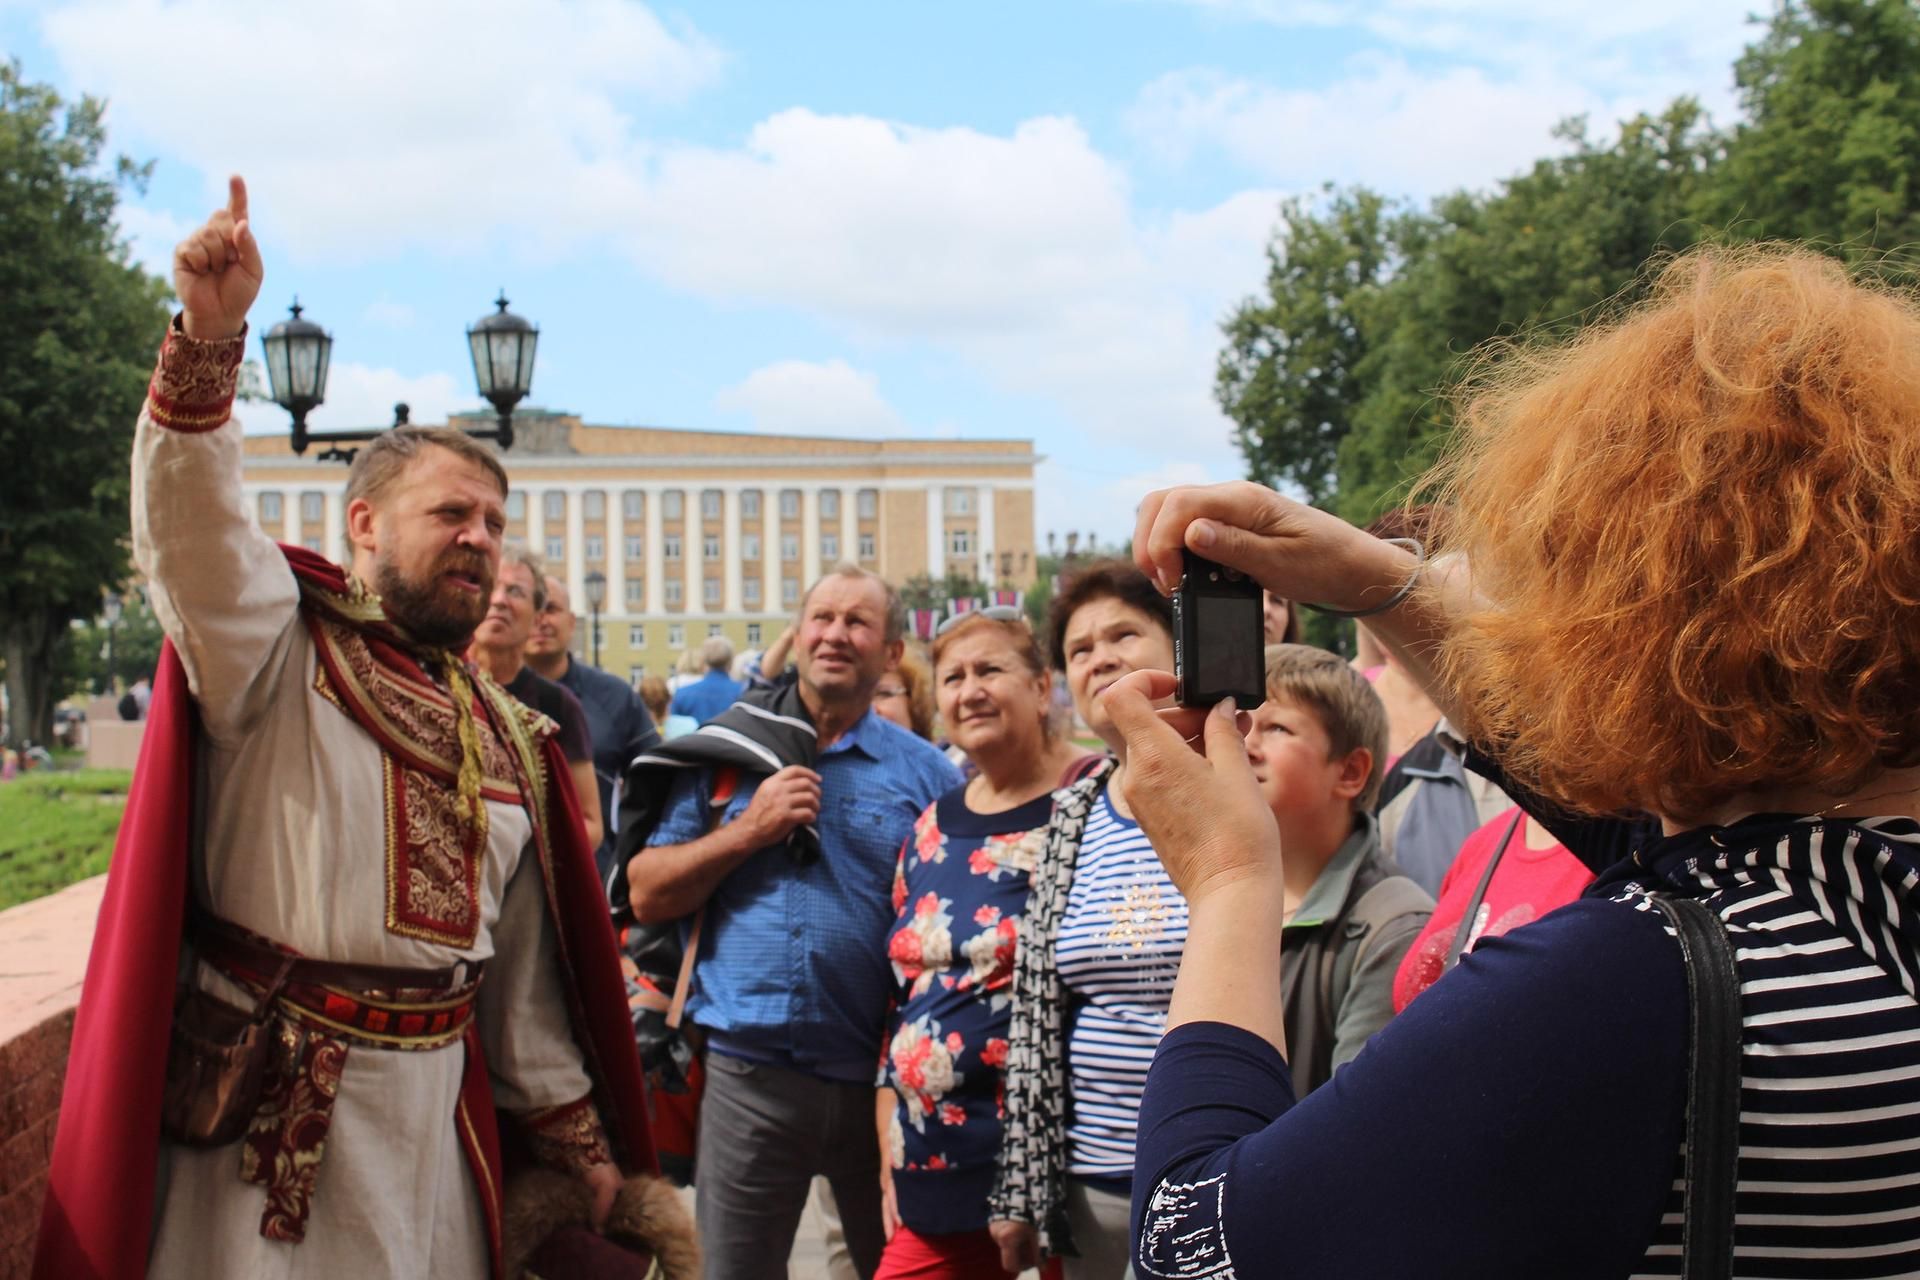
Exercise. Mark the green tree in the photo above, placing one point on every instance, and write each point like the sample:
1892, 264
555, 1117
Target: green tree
922, 592
1830, 148
75, 354
91, 657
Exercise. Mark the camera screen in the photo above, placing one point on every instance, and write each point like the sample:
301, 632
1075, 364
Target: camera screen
1231, 644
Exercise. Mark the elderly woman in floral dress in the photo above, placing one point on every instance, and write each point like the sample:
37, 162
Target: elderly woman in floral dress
960, 890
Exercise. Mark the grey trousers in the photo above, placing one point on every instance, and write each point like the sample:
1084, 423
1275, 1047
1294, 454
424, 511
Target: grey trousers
1099, 1222
765, 1132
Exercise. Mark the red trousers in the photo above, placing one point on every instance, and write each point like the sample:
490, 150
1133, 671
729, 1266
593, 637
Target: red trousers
964, 1255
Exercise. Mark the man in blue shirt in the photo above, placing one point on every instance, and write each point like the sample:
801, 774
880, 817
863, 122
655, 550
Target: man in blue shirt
622, 727
792, 978
713, 692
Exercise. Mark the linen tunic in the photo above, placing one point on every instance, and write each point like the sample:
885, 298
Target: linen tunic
290, 840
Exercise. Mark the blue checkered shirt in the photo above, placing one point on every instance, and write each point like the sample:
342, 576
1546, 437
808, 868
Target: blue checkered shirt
793, 965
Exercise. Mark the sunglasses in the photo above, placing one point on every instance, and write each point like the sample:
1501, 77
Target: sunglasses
995, 612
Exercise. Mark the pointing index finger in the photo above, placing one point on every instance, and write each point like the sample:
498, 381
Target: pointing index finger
237, 197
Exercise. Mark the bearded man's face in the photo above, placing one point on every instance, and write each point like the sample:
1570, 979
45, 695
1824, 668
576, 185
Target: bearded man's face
441, 525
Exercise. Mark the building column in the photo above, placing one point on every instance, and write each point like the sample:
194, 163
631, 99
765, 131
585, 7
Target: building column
537, 521
936, 533
850, 525
656, 555
692, 558
333, 543
770, 566
983, 499
290, 517
576, 574
730, 546
809, 538
616, 554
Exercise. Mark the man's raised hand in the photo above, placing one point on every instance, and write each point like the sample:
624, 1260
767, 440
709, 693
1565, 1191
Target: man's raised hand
217, 270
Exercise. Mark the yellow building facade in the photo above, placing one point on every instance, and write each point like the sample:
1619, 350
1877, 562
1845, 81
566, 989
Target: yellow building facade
704, 533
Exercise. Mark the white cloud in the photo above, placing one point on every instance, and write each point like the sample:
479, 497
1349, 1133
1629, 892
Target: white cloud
798, 397
384, 313
1090, 500
360, 396
151, 235
364, 127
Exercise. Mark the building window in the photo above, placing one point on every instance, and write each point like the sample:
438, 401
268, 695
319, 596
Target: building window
709, 504
556, 505
710, 546
867, 551
830, 547
749, 504
636, 635
750, 592
313, 507
677, 636
636, 547
829, 504
270, 508
789, 592
749, 546
714, 629
960, 542
556, 549
636, 593
789, 546
635, 675
596, 547
593, 504
959, 502
670, 546
517, 505
789, 504
710, 592
753, 634
673, 592
633, 504
869, 504
670, 504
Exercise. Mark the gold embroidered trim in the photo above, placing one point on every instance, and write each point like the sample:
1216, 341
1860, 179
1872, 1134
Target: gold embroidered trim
193, 382
569, 1138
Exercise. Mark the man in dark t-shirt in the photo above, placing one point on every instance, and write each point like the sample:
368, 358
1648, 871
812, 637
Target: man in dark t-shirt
621, 725
499, 646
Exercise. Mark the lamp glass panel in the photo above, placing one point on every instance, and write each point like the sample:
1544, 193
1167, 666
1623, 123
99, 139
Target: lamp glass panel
320, 377
504, 348
482, 367
527, 342
303, 363
278, 383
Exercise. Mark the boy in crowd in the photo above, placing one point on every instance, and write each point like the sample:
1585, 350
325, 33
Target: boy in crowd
1317, 746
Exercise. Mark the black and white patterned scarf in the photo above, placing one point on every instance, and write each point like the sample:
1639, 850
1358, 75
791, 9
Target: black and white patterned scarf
1031, 1185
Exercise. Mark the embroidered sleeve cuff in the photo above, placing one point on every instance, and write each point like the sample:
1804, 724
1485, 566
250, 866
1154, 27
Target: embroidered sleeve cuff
568, 1137
193, 385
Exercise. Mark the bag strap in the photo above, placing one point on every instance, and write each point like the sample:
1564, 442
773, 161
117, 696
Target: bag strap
1460, 935
1713, 1088
726, 780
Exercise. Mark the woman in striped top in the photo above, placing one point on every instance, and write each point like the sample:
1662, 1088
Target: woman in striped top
1099, 948
1705, 511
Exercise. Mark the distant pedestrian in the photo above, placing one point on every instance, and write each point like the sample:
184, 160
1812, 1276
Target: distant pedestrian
713, 692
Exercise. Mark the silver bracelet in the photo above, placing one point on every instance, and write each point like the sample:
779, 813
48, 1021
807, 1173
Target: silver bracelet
1393, 601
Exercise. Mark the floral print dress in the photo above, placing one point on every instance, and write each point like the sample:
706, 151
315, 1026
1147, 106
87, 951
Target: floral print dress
959, 892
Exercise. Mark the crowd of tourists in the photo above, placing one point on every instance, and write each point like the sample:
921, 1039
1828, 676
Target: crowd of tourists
1567, 929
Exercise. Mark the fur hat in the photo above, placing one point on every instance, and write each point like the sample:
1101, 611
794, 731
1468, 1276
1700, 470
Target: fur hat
546, 1234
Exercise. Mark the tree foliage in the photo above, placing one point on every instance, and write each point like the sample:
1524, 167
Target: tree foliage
1337, 378
75, 353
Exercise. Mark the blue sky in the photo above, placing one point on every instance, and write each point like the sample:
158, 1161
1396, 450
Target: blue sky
976, 220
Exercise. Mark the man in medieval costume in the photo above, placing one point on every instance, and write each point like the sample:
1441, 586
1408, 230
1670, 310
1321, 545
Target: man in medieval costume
342, 833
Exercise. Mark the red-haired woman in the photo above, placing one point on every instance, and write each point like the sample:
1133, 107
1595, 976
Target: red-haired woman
1705, 510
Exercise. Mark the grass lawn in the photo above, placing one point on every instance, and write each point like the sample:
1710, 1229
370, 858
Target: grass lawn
57, 828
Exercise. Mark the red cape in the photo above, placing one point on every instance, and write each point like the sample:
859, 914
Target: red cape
98, 1217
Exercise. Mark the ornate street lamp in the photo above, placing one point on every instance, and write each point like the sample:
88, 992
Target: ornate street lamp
502, 345
596, 585
298, 352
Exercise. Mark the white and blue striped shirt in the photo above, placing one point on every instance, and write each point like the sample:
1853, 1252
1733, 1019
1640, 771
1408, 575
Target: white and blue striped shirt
1118, 953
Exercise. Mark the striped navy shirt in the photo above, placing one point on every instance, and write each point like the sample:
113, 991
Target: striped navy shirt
1525, 1116
1118, 953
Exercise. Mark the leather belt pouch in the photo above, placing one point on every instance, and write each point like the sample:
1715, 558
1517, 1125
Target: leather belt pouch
216, 1065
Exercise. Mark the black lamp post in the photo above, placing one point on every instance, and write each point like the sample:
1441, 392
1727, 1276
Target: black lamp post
596, 584
298, 352
110, 609
502, 345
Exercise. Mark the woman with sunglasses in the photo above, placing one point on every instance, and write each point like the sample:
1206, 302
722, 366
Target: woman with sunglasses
1098, 951
960, 892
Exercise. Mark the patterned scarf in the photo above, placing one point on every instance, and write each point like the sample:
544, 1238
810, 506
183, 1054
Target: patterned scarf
1031, 1184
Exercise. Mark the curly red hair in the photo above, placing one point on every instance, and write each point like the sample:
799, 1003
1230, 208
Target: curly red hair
1694, 532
